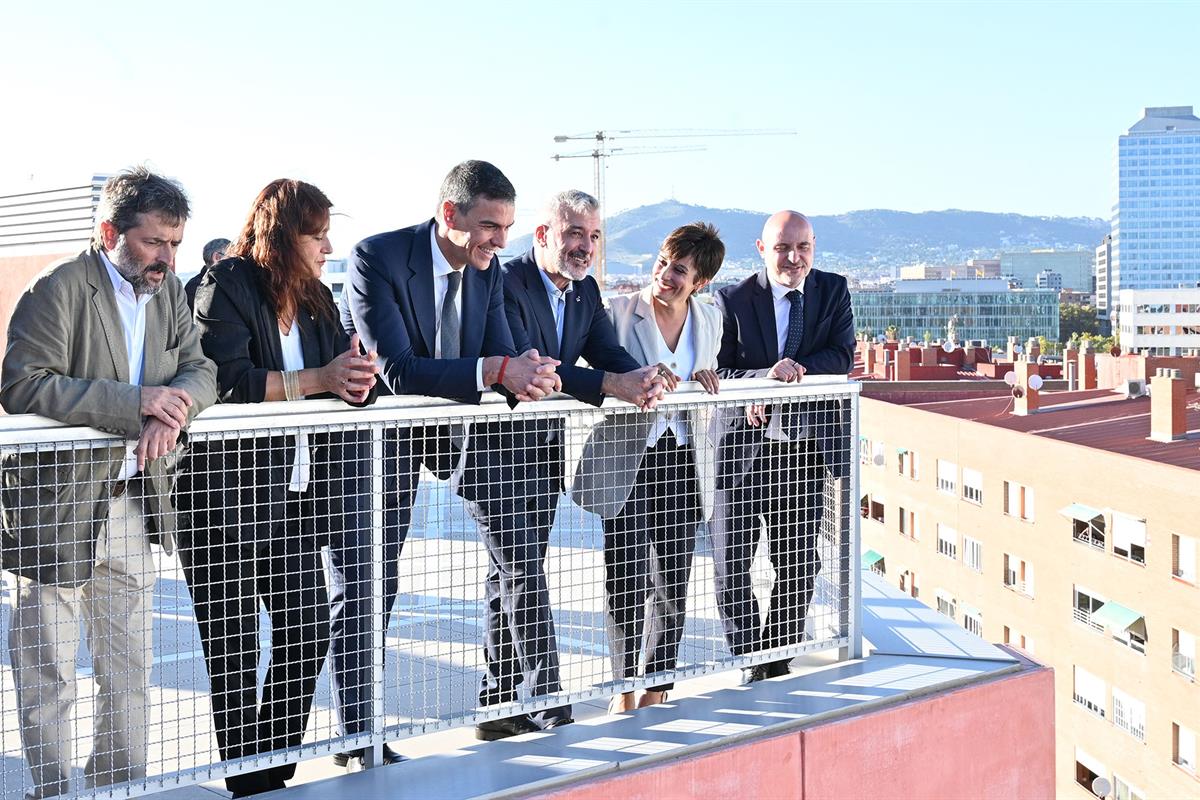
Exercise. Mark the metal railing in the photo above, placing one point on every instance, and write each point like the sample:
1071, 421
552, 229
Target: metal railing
1183, 663
297, 528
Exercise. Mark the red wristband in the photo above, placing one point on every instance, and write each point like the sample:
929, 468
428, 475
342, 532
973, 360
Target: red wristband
500, 375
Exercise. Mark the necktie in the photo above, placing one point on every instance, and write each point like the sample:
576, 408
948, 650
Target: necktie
450, 325
795, 329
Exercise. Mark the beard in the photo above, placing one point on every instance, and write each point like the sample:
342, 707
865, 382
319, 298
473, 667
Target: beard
572, 270
125, 262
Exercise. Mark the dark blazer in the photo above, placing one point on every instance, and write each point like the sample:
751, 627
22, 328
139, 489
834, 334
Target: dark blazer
587, 330
389, 301
237, 488
66, 360
750, 343
192, 285
750, 347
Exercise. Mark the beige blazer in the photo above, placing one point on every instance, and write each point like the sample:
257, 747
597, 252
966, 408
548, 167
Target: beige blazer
66, 360
604, 474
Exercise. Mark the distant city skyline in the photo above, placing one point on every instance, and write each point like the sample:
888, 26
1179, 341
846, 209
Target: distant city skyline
988, 107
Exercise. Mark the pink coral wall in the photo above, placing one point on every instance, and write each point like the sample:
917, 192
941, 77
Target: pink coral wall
988, 740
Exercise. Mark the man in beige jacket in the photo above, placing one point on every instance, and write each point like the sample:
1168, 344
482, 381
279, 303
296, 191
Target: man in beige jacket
103, 340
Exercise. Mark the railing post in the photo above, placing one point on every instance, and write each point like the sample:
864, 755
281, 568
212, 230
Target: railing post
374, 755
846, 495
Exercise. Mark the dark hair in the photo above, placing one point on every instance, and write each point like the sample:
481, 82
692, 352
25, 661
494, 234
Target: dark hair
139, 191
469, 181
283, 212
701, 241
212, 248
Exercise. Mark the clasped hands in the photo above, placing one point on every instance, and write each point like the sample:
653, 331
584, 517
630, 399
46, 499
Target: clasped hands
785, 370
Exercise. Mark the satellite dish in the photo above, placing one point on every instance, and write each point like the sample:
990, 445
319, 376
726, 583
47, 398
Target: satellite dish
1017, 391
881, 338
878, 459
1017, 349
1101, 787
1010, 378
1035, 382
948, 347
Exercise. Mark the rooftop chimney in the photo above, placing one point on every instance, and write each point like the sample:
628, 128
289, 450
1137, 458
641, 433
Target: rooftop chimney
1087, 366
1010, 352
1026, 398
1070, 366
1168, 415
1033, 348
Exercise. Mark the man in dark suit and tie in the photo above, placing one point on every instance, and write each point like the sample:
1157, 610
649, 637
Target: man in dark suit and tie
788, 321
408, 294
555, 308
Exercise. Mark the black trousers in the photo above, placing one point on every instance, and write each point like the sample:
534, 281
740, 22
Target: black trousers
351, 567
648, 550
783, 492
227, 585
511, 482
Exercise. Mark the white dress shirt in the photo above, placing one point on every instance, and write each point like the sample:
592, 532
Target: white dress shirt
783, 310
682, 361
293, 359
131, 308
441, 284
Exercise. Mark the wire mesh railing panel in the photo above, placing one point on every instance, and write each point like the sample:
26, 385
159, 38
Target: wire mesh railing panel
322, 582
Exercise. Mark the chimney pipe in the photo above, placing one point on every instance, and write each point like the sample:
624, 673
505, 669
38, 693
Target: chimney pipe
1087, 366
1168, 414
1028, 400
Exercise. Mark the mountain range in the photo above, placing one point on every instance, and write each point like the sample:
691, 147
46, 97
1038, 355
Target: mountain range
862, 242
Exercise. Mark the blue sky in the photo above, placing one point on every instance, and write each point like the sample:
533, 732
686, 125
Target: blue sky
983, 106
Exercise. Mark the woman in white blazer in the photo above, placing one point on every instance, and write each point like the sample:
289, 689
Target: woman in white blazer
649, 475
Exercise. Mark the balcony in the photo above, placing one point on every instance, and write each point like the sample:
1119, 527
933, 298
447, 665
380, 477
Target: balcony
425, 666
1184, 664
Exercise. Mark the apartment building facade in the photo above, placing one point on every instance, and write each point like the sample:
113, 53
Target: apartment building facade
1066, 533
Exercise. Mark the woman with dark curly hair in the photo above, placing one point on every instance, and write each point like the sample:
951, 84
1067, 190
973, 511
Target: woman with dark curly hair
261, 508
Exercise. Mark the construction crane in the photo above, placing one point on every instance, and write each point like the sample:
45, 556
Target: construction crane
601, 152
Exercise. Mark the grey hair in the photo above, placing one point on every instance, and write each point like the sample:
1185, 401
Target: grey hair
570, 200
139, 191
471, 180
212, 248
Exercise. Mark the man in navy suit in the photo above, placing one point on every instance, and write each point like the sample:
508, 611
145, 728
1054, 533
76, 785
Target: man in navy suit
785, 322
409, 292
554, 307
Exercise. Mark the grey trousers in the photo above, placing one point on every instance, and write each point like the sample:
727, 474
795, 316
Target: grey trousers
114, 607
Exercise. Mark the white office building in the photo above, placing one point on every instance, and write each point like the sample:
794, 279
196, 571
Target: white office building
1160, 322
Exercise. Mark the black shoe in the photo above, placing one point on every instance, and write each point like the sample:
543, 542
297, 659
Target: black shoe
390, 756
778, 669
557, 722
495, 729
755, 674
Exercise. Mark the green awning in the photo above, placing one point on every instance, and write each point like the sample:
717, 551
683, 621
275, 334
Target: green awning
870, 559
1081, 512
1118, 618
900, 451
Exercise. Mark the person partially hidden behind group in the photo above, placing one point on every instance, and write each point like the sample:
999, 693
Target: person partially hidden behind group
262, 508
649, 476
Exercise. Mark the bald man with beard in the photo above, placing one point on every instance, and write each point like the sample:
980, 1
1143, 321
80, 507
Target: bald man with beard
785, 322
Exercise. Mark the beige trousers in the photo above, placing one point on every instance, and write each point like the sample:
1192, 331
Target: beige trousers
114, 607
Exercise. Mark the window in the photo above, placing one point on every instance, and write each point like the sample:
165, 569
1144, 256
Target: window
1129, 714
947, 477
1087, 525
973, 553
1086, 604
1183, 557
972, 486
1124, 791
909, 524
877, 509
1183, 653
1018, 575
864, 450
972, 620
908, 464
1018, 501
1183, 747
1090, 692
1129, 537
1087, 770
946, 604
947, 543
908, 583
